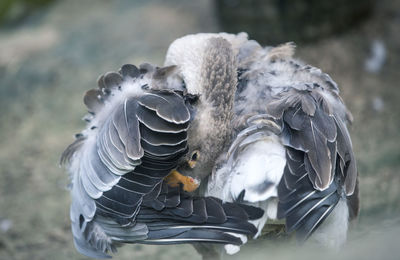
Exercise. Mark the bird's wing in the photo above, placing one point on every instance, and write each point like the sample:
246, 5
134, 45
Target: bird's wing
309, 165
134, 139
320, 167
139, 144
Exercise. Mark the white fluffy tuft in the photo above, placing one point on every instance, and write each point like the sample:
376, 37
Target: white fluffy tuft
261, 162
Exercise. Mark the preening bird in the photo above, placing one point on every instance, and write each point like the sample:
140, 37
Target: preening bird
271, 132
125, 187
253, 125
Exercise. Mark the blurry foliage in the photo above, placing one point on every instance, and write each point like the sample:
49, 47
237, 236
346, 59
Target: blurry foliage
15, 10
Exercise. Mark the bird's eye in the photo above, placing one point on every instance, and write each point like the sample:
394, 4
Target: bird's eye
195, 156
193, 159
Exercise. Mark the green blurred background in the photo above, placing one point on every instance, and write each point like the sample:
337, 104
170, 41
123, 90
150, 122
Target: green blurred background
51, 52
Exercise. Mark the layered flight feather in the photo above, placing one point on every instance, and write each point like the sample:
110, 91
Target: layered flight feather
135, 136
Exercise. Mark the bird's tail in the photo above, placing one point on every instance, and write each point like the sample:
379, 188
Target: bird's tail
170, 215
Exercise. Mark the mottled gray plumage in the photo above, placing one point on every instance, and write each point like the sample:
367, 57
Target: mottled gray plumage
286, 146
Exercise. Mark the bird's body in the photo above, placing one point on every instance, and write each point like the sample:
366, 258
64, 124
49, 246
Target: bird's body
255, 125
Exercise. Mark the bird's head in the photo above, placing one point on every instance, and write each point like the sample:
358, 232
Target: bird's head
206, 68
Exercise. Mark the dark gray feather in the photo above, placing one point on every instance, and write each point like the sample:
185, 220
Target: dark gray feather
150, 119
127, 125
159, 138
93, 100
129, 70
168, 105
112, 80
319, 157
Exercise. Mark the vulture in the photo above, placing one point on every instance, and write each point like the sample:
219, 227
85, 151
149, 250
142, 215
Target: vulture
224, 140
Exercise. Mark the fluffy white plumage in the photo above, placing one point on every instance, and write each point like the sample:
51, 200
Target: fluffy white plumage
257, 170
265, 160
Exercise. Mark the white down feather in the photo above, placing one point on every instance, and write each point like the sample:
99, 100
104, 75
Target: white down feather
258, 163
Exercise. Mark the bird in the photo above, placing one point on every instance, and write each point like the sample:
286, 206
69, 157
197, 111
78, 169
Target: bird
274, 135
125, 187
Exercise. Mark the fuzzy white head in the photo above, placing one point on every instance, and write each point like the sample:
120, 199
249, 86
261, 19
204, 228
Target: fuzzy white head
188, 53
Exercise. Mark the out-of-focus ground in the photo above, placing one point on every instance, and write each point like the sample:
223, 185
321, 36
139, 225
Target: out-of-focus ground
55, 54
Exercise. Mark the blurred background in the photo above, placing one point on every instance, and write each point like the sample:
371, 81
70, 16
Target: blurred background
52, 51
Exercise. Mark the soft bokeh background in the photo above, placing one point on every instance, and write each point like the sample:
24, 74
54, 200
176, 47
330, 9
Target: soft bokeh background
51, 52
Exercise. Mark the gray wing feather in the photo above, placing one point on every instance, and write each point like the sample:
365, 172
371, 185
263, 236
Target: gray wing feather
346, 156
129, 70
93, 100
147, 118
320, 165
112, 80
173, 109
310, 127
99, 170
106, 177
317, 141
127, 126
100, 161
